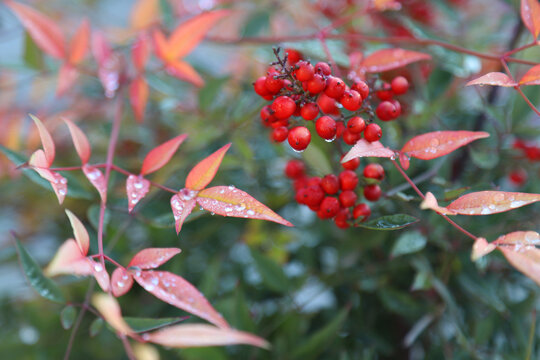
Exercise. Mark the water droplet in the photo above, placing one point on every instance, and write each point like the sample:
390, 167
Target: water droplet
120, 284
434, 142
485, 211
149, 287
138, 185
393, 157
134, 201
298, 151
499, 197
125, 277
98, 267
212, 213
516, 204
62, 192
228, 209
251, 212
231, 187
146, 337
330, 140
222, 191
155, 281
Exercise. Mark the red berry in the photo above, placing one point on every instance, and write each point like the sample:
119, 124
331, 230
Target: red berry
397, 107
341, 218
279, 134
329, 207
283, 107
304, 71
293, 56
299, 138
386, 92
347, 198
309, 111
313, 195
374, 171
260, 87
348, 180
277, 123
356, 125
361, 210
266, 116
400, 85
330, 184
314, 181
335, 87
362, 88
272, 84
295, 169
327, 104
351, 164
326, 127
373, 132
300, 182
351, 100
372, 192
323, 68
340, 129
316, 84
518, 177
386, 111
350, 138
300, 196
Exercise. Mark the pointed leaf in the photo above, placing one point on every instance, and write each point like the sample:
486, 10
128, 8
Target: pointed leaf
138, 97
404, 160
67, 317
96, 326
390, 59
439, 143
185, 72
176, 291
79, 140
519, 239
140, 325
197, 335
409, 242
69, 260
46, 140
57, 181
530, 14
101, 49
182, 204
100, 274
121, 281
531, 77
136, 187
152, 258
161, 46
526, 260
96, 178
110, 310
140, 52
189, 34
481, 248
79, 43
45, 32
494, 79
204, 171
81, 235
144, 14
160, 155
67, 76
229, 201
389, 222
43, 285
363, 148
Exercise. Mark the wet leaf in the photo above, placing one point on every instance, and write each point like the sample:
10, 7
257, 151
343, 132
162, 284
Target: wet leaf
530, 14
204, 171
108, 307
152, 258
100, 274
272, 273
121, 282
46, 141
69, 260
82, 146
81, 235
136, 187
148, 324
526, 260
481, 248
390, 59
96, 326
67, 317
409, 242
363, 148
494, 79
57, 181
182, 204
439, 143
79, 45
389, 222
160, 155
96, 178
531, 77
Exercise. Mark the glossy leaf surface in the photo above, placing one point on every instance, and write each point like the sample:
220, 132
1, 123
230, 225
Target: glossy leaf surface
152, 258
182, 204
121, 281
364, 148
136, 187
530, 14
204, 171
390, 59
79, 140
439, 143
160, 155
531, 77
493, 79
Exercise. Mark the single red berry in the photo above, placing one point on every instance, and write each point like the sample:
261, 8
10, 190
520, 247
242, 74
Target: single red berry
316, 85
386, 111
314, 207
335, 87
385, 93
323, 68
283, 107
518, 177
347, 180
313, 195
326, 127
330, 184
273, 85
293, 56
351, 100
373, 132
299, 138
532, 153
327, 104
329, 207
399, 85
300, 183
288, 84
356, 125
304, 71
314, 181
340, 129
361, 210
277, 123
266, 116
362, 88
309, 111
341, 218
260, 87
397, 108
301, 196
374, 171
347, 198
372, 192
279, 134
351, 164
350, 138
295, 169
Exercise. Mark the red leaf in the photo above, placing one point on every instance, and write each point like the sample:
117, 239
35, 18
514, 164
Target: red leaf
520, 239
229, 201
197, 335
79, 140
97, 179
530, 14
81, 235
185, 72
58, 182
531, 77
161, 46
110, 310
140, 52
176, 291
121, 281
138, 97
101, 49
390, 59
439, 143
46, 140
79, 43
182, 204
204, 171
494, 79
101, 275
136, 187
481, 248
69, 260
67, 76
153, 257
363, 148
44, 31
404, 160
160, 155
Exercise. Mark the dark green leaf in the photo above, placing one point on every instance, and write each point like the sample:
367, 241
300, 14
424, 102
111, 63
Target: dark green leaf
409, 242
67, 316
389, 222
272, 274
96, 327
33, 56
147, 324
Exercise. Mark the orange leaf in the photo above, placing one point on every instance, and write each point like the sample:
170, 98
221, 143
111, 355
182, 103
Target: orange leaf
97, 179
520, 239
67, 76
494, 79
140, 52
404, 160
189, 34
136, 187
531, 77
390, 59
182, 204
161, 154
46, 140
363, 148
79, 140
184, 71
229, 201
161, 46
39, 163
138, 97
204, 171
197, 335
439, 143
144, 14
110, 310
79, 43
382, 5
44, 31
81, 235
69, 260
121, 281
526, 260
530, 14
176, 291
481, 248
151, 258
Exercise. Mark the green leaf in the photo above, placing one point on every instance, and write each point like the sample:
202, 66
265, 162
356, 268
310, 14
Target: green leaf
67, 317
211, 91
484, 158
33, 56
317, 160
272, 273
319, 341
148, 324
409, 242
96, 327
167, 13
389, 222
43, 285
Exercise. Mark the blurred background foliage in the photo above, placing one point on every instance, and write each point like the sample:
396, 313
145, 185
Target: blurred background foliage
314, 291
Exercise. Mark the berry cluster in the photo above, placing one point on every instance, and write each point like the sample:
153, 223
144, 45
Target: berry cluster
335, 196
